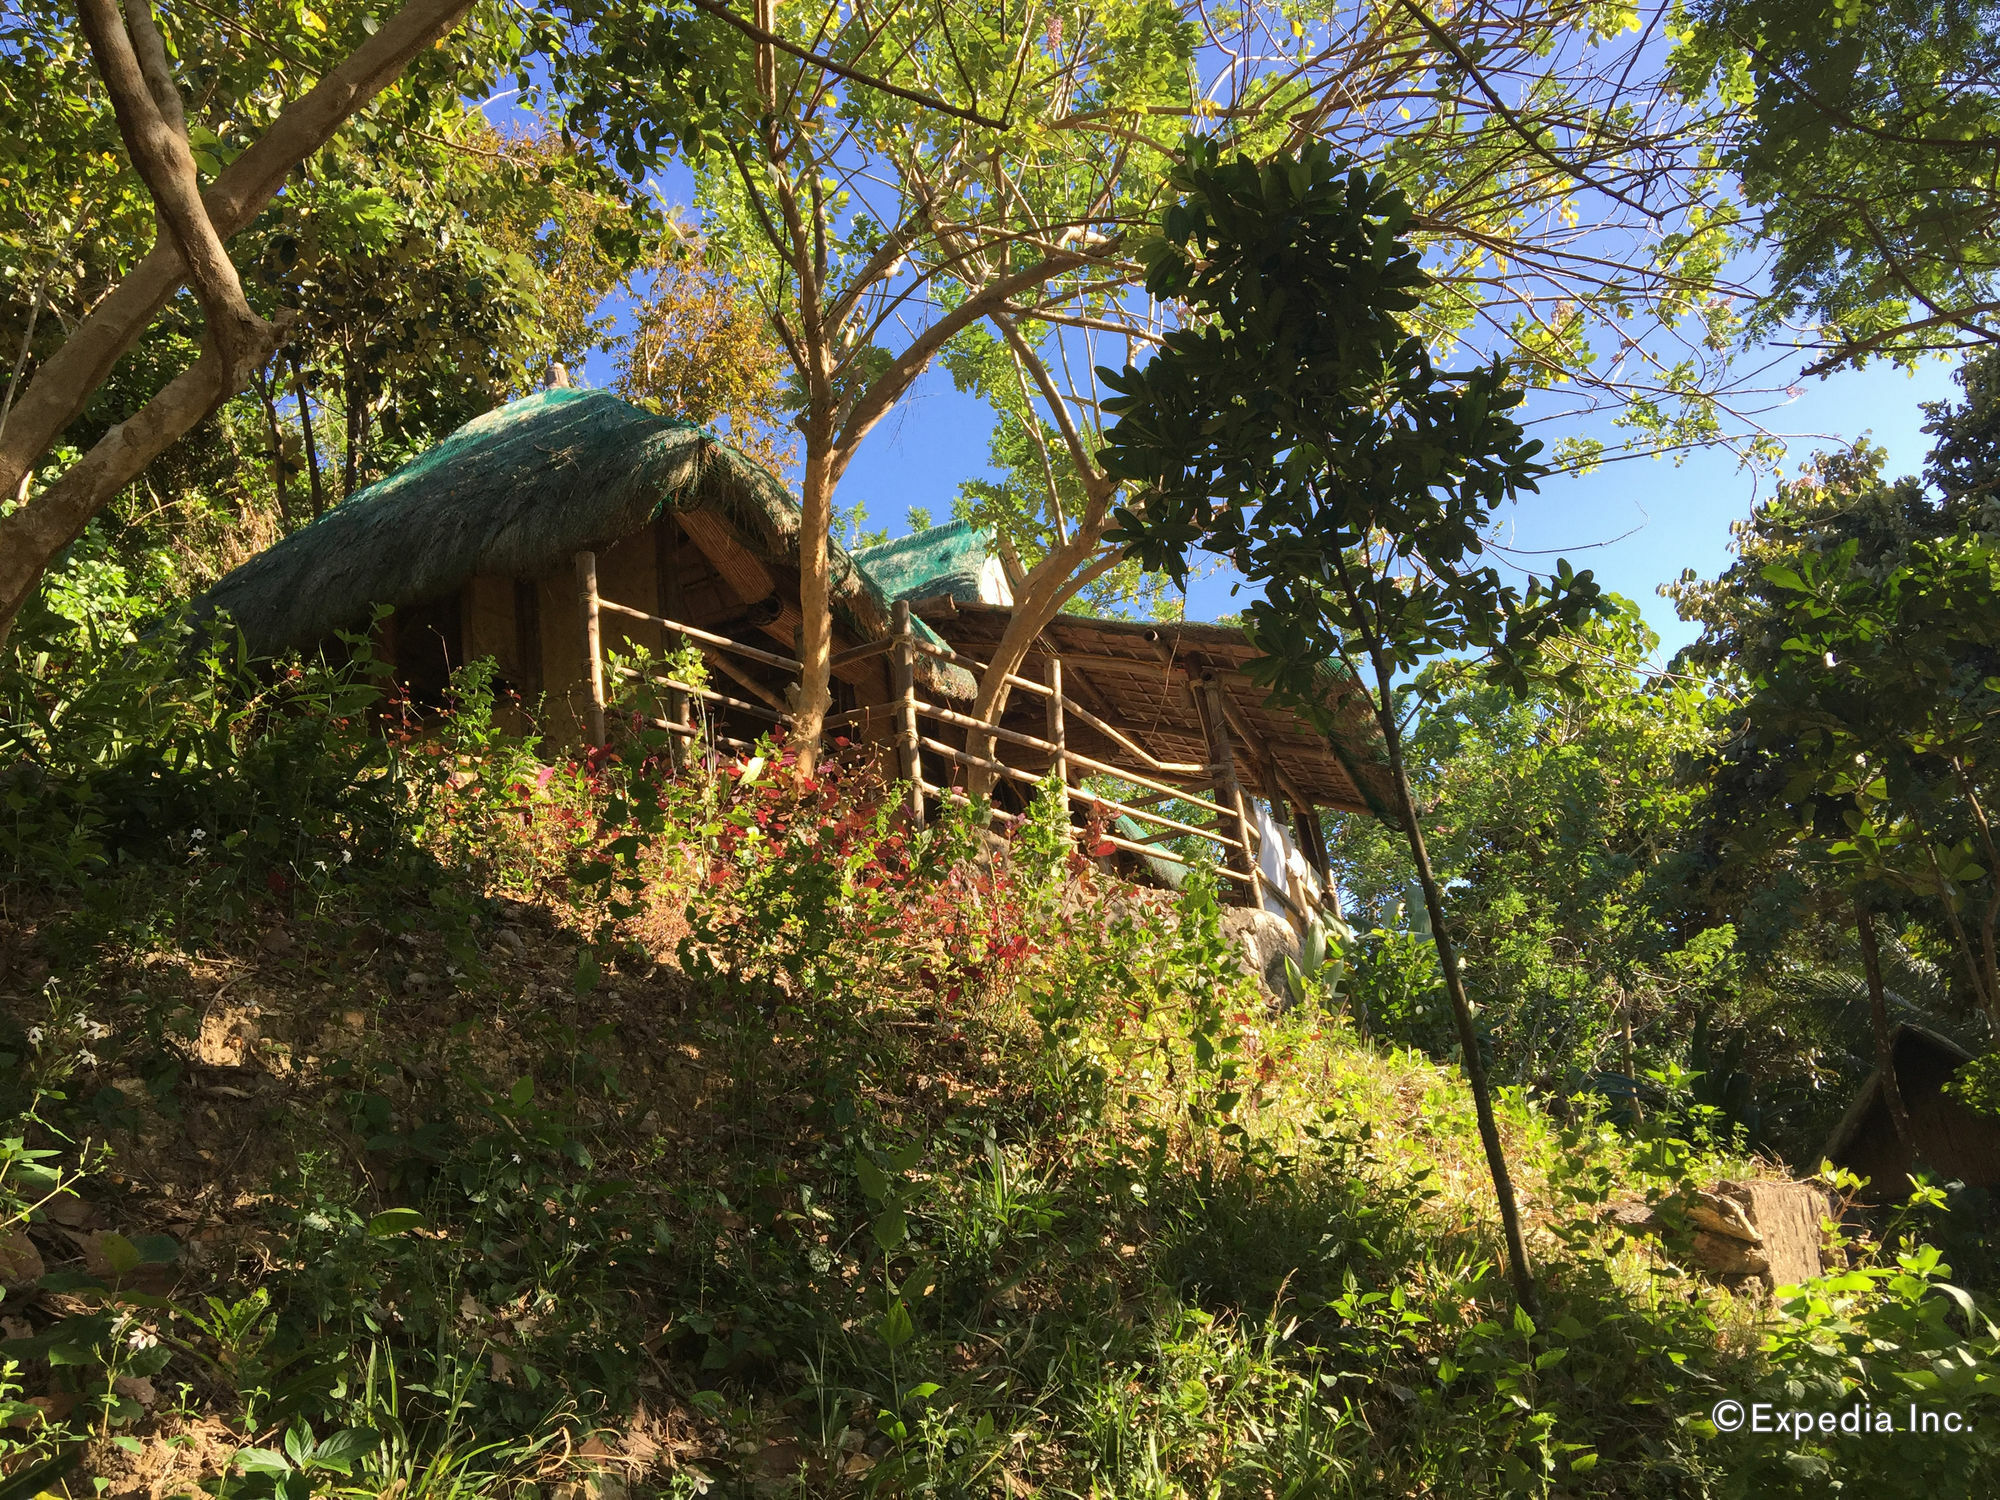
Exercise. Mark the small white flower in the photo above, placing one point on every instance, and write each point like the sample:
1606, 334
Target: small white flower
96, 1031
320, 865
141, 1338
34, 1036
347, 856
197, 835
85, 1058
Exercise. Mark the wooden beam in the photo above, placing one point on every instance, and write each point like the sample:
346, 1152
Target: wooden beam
1052, 707
670, 598
1228, 792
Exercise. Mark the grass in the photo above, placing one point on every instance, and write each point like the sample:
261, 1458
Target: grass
625, 1132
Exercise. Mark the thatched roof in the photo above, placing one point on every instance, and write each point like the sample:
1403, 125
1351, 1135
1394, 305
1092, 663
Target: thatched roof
1138, 673
510, 494
955, 561
1915, 1049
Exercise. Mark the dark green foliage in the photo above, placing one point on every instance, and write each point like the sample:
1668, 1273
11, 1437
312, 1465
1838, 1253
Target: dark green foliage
1861, 632
1299, 428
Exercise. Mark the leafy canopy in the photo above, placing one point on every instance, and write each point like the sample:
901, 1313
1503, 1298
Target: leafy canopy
1299, 427
1865, 135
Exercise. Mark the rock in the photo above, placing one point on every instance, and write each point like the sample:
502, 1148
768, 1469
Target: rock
20, 1262
509, 939
1766, 1229
1266, 941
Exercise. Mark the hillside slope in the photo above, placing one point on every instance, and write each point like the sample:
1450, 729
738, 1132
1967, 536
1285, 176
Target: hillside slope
420, 1119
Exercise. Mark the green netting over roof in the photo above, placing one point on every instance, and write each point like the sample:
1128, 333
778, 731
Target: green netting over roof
942, 560
514, 493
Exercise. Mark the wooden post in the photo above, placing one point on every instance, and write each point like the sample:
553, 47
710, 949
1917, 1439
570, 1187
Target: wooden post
1229, 792
1057, 734
903, 674
593, 642
667, 591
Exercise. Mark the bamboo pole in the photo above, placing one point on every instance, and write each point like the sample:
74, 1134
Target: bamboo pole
1141, 815
706, 637
668, 597
1057, 729
1076, 757
593, 642
1229, 792
903, 678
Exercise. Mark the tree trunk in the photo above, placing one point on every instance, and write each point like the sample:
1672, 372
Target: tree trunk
35, 533
815, 695
270, 406
1878, 1016
306, 428
1051, 584
350, 411
31, 536
1474, 1065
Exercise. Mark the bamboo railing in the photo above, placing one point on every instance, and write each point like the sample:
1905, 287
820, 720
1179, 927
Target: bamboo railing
1184, 782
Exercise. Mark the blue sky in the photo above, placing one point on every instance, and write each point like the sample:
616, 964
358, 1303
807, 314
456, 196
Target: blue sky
1637, 523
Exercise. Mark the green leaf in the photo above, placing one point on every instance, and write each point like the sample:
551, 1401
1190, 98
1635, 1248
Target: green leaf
157, 1249
394, 1221
340, 1450
896, 1329
873, 1182
261, 1461
889, 1228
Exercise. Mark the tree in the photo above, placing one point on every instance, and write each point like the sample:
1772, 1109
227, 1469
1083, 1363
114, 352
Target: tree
1558, 821
913, 172
345, 56
1302, 429
1865, 137
133, 62
1860, 632
702, 349
429, 282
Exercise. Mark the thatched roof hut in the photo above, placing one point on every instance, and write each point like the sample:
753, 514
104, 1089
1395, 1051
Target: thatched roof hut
1953, 1141
1139, 675
472, 543
569, 528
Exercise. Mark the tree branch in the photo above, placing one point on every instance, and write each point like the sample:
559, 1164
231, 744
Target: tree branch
147, 103
853, 75
67, 379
